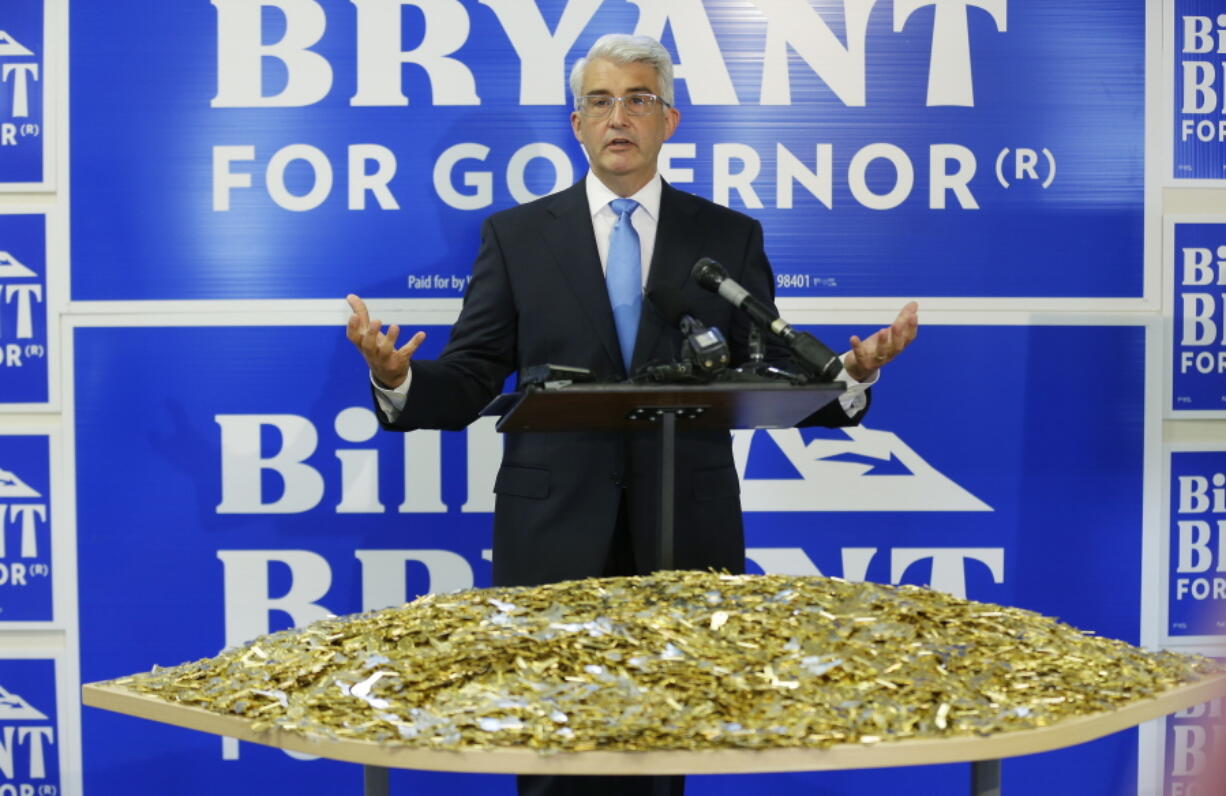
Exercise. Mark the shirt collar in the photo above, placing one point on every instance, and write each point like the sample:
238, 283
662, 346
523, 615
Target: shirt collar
648, 197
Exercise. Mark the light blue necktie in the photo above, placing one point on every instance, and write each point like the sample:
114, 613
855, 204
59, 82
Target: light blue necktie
624, 277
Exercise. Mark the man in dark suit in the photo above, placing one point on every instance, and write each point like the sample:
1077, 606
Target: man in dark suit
560, 280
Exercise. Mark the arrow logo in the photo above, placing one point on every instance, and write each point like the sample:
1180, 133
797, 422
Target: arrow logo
891, 465
14, 707
847, 469
13, 487
10, 46
12, 268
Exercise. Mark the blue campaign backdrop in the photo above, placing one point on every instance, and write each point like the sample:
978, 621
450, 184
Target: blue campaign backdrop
25, 522
1198, 330
24, 346
1011, 491
22, 95
819, 118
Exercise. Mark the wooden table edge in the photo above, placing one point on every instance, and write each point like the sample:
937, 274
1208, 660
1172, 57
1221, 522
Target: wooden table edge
710, 761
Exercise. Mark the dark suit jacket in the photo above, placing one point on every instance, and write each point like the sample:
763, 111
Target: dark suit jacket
538, 296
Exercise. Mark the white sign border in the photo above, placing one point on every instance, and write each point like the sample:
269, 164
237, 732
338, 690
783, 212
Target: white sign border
1169, 268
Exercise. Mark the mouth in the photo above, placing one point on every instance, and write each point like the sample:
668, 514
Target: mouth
619, 143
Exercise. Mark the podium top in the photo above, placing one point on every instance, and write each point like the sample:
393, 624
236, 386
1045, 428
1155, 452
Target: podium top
632, 407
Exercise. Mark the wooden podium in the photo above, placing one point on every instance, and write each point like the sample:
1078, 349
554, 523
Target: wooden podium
630, 407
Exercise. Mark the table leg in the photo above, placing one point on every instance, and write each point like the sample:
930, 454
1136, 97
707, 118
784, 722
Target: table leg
375, 779
985, 778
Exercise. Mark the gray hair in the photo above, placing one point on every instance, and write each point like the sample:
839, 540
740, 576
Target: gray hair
622, 48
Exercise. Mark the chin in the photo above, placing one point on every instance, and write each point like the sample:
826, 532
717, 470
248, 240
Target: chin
622, 169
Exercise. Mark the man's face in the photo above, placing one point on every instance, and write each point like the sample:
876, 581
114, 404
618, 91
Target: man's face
623, 148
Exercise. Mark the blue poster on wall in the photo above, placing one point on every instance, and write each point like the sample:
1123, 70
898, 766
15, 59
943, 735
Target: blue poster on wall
29, 725
248, 488
314, 148
1198, 306
1198, 91
25, 528
1196, 566
23, 70
24, 318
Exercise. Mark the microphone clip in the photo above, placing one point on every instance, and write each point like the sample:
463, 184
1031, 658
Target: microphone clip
704, 348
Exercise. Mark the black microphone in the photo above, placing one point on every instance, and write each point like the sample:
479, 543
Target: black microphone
812, 353
704, 350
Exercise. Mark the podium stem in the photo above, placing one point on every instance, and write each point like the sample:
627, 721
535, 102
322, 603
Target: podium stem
668, 475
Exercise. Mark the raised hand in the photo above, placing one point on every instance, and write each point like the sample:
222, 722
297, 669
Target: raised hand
867, 355
390, 365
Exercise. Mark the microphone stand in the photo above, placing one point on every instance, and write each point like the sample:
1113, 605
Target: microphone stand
757, 369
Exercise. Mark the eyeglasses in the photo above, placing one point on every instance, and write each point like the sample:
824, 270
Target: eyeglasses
598, 106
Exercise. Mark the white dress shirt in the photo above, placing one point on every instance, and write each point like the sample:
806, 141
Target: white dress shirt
644, 219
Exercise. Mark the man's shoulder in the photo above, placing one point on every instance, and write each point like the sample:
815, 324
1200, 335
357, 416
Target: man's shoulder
702, 208
554, 204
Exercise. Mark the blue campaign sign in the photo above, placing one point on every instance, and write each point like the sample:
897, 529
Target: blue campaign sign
247, 488
22, 95
24, 326
309, 149
1198, 333
1192, 765
30, 735
25, 528
1197, 544
1198, 91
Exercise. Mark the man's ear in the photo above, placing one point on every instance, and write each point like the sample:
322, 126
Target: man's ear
672, 118
574, 125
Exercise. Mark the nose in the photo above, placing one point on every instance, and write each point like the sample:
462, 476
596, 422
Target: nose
618, 116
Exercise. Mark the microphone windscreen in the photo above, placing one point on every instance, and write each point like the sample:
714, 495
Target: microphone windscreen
668, 302
709, 274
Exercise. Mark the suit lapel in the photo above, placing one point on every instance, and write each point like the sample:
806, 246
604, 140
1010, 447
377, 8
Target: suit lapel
573, 243
677, 248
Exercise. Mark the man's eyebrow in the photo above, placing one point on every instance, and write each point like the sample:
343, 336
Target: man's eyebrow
604, 92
